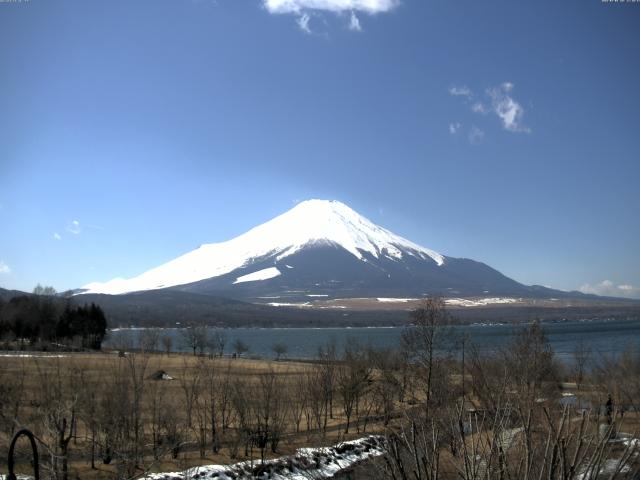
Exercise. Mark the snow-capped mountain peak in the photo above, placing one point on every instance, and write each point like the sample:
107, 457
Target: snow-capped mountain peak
308, 223
333, 221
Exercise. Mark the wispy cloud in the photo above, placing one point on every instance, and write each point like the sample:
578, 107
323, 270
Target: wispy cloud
460, 91
354, 23
476, 135
505, 107
497, 100
610, 289
303, 22
74, 227
478, 107
302, 8
4, 268
454, 127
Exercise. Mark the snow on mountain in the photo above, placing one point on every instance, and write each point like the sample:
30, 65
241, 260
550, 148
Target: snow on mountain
264, 274
313, 222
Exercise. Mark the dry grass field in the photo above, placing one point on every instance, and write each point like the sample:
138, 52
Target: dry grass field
168, 403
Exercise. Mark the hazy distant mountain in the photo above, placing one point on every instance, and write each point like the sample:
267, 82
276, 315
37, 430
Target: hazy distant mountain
6, 295
322, 249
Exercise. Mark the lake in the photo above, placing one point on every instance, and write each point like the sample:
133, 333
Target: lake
601, 336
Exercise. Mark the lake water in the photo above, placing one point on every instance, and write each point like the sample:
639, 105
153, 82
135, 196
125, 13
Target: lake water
601, 336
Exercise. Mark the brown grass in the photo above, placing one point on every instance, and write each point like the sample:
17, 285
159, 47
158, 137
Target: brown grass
98, 368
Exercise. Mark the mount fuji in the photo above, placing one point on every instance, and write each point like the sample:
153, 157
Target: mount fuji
321, 249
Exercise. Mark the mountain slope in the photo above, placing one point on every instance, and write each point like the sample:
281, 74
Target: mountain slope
320, 248
330, 271
309, 224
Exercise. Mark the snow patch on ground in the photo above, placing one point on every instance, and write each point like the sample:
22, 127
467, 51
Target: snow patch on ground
465, 302
30, 355
278, 304
305, 464
397, 300
264, 274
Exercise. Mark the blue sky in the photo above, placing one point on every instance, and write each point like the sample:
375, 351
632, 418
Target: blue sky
506, 132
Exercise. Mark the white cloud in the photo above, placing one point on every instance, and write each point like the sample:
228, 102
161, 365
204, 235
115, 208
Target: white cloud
461, 91
336, 6
303, 9
354, 23
303, 22
74, 227
478, 107
475, 135
454, 127
56, 236
610, 289
629, 288
500, 102
505, 107
4, 268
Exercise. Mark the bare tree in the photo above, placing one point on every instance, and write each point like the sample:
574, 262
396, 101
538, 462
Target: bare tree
113, 414
39, 290
88, 398
239, 347
317, 401
268, 408
202, 405
298, 398
427, 340
224, 396
135, 368
157, 399
195, 338
171, 429
148, 339
240, 400
167, 343
618, 374
212, 400
279, 349
190, 385
12, 388
217, 342
327, 359
58, 410
490, 377
386, 385
548, 441
352, 378
531, 366
581, 359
